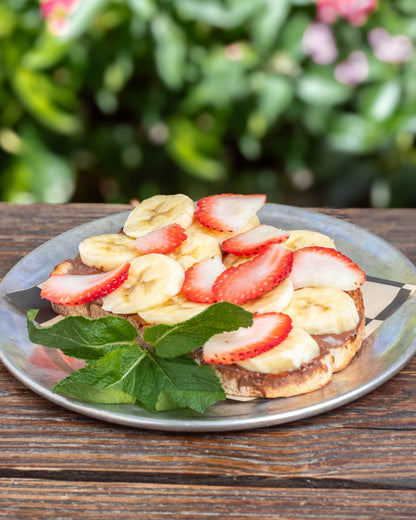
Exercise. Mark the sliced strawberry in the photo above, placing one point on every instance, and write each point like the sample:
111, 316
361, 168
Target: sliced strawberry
228, 212
268, 330
249, 280
163, 240
253, 241
199, 279
317, 266
76, 289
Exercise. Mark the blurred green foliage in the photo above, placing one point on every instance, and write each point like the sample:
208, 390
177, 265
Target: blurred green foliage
140, 97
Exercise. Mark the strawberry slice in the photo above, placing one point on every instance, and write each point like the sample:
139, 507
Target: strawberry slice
76, 289
254, 240
228, 212
249, 280
268, 330
317, 266
199, 279
163, 240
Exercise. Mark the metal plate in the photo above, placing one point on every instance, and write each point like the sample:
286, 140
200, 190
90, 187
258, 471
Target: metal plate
383, 354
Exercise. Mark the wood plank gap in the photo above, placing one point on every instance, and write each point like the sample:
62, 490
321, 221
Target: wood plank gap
192, 479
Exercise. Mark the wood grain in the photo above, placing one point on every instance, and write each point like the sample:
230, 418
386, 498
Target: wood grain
54, 500
357, 461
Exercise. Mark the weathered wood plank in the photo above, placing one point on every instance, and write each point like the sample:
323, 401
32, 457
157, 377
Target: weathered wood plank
369, 441
26, 500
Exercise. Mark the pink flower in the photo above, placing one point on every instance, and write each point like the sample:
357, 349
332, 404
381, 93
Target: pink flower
355, 11
56, 13
353, 70
48, 7
318, 42
392, 49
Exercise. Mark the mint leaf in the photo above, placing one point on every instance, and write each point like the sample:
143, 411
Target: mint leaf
81, 337
157, 384
104, 382
177, 383
180, 338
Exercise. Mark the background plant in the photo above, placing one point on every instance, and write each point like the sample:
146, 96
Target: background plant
108, 100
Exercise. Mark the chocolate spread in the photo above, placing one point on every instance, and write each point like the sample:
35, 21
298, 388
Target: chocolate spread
78, 267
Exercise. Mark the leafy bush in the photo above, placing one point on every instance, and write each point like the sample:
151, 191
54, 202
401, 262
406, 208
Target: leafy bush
124, 99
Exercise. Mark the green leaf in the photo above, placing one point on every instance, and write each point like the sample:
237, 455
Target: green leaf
176, 383
81, 337
82, 17
35, 173
127, 374
174, 340
170, 50
379, 102
41, 96
322, 90
354, 134
197, 151
224, 80
212, 13
275, 95
268, 22
46, 52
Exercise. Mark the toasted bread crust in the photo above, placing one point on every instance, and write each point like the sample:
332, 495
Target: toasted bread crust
239, 382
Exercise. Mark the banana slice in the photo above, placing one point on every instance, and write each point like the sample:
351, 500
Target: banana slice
300, 238
196, 247
153, 279
323, 310
159, 211
231, 259
274, 300
106, 252
298, 348
177, 309
197, 227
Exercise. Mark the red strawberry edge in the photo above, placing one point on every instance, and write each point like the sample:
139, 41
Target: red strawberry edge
199, 278
357, 276
257, 276
239, 245
74, 289
218, 213
268, 330
163, 240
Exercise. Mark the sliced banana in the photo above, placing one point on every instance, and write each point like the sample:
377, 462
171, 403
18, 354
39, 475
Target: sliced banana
153, 279
272, 301
220, 236
231, 259
298, 348
323, 310
106, 252
300, 238
175, 310
196, 247
159, 211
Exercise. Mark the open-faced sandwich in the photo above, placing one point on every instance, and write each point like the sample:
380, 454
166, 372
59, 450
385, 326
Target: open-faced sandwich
173, 259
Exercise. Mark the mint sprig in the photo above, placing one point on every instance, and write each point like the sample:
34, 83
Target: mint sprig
159, 377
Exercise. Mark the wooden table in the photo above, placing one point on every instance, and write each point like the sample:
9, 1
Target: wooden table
358, 461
